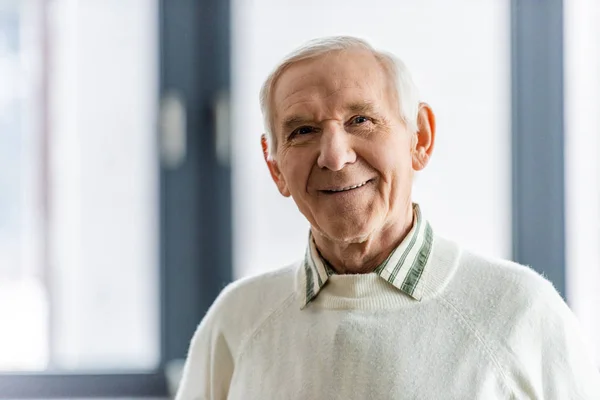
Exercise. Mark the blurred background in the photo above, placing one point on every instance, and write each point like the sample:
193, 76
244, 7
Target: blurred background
132, 185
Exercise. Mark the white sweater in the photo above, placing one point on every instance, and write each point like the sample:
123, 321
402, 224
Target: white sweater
484, 329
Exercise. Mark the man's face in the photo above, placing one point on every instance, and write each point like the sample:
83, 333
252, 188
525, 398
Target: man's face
343, 152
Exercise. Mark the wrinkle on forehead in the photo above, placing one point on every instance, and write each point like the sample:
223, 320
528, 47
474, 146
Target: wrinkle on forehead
314, 93
327, 91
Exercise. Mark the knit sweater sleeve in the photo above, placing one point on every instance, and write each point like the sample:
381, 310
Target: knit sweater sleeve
209, 364
554, 361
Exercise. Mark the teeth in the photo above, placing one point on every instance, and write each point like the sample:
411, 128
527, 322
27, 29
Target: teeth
349, 187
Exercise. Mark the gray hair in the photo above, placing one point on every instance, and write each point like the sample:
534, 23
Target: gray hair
396, 70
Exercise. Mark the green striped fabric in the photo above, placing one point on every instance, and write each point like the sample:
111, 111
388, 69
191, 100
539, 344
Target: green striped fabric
403, 268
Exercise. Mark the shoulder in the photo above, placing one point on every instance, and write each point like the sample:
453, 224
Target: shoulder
536, 336
259, 291
501, 294
240, 308
513, 291
525, 325
475, 282
499, 278
497, 296
245, 303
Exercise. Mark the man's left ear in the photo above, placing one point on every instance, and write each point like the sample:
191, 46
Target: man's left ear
424, 137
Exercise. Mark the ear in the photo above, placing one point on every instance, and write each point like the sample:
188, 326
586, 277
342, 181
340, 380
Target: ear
424, 138
274, 168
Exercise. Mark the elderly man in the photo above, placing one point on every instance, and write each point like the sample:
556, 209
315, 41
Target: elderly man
380, 307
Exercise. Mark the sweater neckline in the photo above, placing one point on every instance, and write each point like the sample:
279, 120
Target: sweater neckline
372, 292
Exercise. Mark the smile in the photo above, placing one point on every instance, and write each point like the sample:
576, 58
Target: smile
347, 188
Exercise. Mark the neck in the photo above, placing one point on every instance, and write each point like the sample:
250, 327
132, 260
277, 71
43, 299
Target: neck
364, 256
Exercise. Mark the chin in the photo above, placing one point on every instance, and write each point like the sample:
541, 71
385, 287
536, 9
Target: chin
347, 232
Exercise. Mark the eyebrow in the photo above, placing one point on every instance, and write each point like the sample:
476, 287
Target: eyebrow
363, 107
293, 121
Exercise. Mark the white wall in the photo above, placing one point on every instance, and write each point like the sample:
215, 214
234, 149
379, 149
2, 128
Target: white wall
458, 52
582, 163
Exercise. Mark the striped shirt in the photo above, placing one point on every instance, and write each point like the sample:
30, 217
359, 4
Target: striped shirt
403, 268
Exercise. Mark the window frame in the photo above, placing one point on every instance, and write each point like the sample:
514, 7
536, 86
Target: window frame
538, 223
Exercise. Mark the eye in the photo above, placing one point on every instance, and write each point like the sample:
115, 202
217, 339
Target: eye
359, 120
303, 130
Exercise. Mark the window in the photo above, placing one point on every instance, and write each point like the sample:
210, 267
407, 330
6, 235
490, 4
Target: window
23, 306
459, 54
79, 175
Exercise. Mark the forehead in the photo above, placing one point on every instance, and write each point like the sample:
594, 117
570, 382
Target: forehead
328, 82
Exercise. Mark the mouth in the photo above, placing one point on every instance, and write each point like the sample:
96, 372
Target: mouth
347, 188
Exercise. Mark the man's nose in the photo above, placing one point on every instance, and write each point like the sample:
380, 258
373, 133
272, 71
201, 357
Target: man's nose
335, 148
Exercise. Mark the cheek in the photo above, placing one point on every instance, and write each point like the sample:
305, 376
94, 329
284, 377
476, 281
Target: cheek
392, 159
296, 171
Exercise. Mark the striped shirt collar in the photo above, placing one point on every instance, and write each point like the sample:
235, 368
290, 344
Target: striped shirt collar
403, 268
